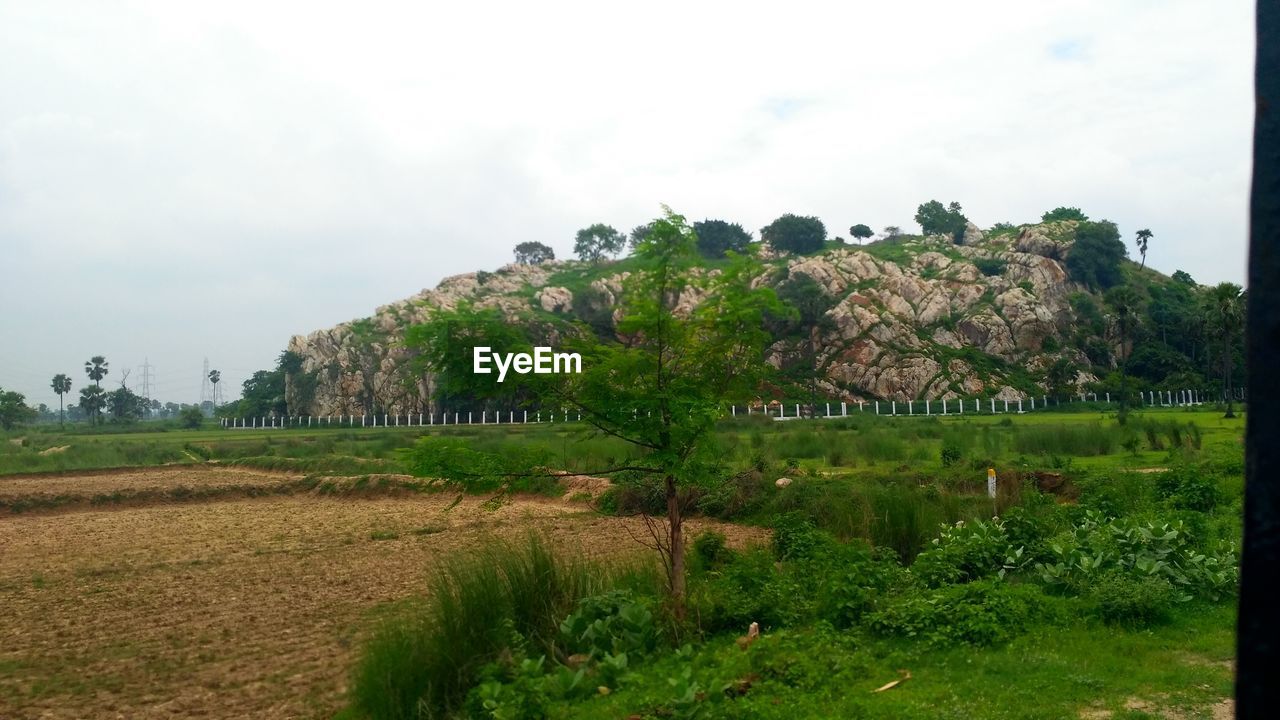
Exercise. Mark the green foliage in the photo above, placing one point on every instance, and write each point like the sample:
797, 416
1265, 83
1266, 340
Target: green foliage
500, 602
935, 219
1001, 229
967, 551
794, 536
533, 253
444, 346
990, 266
615, 623
191, 417
1187, 487
860, 232
951, 453
93, 400
1100, 544
1064, 213
125, 405
710, 549
984, 612
795, 234
1118, 598
14, 410
97, 368
598, 241
1096, 256
1077, 439
717, 237
1060, 377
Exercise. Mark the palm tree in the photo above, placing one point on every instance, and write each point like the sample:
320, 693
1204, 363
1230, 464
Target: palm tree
215, 377
1126, 302
96, 368
92, 400
1144, 236
1225, 312
61, 385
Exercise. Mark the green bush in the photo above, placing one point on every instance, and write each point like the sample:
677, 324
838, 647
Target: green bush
614, 623
1099, 545
1188, 488
1121, 599
754, 587
990, 266
710, 549
977, 613
951, 453
967, 551
191, 417
794, 536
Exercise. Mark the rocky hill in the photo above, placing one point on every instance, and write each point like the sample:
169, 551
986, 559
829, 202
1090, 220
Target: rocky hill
903, 318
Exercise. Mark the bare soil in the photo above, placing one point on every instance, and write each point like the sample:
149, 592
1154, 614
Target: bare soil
231, 608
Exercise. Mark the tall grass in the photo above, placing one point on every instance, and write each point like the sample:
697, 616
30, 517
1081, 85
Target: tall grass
420, 663
897, 515
1077, 439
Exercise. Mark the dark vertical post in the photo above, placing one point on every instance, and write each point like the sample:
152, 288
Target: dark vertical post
1258, 643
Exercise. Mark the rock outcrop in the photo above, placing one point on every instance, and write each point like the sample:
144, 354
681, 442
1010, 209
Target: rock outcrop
909, 318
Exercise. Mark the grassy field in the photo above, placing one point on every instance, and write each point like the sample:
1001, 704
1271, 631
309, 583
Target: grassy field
258, 573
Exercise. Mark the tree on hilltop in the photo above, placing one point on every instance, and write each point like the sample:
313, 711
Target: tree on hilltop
935, 219
717, 237
533, 253
860, 232
797, 234
1143, 238
597, 241
1064, 213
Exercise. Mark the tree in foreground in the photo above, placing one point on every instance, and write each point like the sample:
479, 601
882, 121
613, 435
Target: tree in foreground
533, 253
860, 232
717, 237
935, 219
1143, 238
14, 410
1224, 309
795, 234
598, 241
62, 385
661, 388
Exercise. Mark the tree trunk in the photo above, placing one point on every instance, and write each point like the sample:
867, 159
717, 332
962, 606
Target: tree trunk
675, 573
1226, 373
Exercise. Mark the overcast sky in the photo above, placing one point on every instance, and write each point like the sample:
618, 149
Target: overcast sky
207, 180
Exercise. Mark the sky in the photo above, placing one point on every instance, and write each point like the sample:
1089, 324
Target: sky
182, 181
